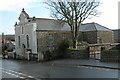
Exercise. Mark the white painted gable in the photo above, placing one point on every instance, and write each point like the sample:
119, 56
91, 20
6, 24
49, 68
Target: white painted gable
23, 17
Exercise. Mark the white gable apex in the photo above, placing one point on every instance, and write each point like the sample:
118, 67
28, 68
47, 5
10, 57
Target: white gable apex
23, 16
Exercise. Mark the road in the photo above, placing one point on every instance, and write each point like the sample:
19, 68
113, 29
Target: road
32, 69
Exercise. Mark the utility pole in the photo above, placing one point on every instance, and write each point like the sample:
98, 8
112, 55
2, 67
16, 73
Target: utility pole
0, 44
3, 41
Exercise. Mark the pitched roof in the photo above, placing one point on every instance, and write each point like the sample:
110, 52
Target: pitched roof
24, 12
93, 27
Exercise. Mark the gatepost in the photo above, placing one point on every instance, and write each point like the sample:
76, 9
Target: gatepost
28, 53
40, 57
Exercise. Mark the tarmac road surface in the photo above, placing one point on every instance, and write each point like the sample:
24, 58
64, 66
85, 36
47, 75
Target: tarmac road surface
37, 70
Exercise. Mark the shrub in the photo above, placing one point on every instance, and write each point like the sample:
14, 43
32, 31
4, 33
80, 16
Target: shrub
82, 43
59, 52
62, 47
47, 55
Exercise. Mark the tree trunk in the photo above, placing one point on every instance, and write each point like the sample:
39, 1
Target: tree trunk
75, 44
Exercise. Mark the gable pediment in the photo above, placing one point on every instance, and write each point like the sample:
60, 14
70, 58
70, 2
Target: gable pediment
23, 16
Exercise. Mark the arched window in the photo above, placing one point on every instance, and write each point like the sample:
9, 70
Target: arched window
27, 41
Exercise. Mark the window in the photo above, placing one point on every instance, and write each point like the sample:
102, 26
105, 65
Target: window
51, 39
27, 37
19, 43
51, 36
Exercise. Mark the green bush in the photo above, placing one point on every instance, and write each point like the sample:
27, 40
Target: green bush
60, 50
62, 47
82, 43
55, 54
47, 55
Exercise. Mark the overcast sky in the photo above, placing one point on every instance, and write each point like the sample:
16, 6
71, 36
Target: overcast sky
10, 11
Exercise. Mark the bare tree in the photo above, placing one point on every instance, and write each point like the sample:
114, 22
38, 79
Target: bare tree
74, 12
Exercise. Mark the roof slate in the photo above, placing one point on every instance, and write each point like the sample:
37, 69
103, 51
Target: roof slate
93, 27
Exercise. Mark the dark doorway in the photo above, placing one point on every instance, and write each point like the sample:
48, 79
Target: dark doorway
23, 48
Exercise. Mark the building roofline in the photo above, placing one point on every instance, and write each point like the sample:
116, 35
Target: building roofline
115, 29
45, 19
95, 24
52, 31
103, 26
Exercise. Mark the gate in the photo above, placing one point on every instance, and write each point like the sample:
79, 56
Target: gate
94, 52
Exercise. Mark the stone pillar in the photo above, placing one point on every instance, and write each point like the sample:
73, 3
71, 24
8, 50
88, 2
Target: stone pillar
40, 57
28, 55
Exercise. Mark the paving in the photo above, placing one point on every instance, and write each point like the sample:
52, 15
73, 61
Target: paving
86, 62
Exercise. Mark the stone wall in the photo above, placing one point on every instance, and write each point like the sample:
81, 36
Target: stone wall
94, 37
48, 40
77, 54
116, 33
110, 56
89, 36
105, 37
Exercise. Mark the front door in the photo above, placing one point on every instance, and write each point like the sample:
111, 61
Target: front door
23, 49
